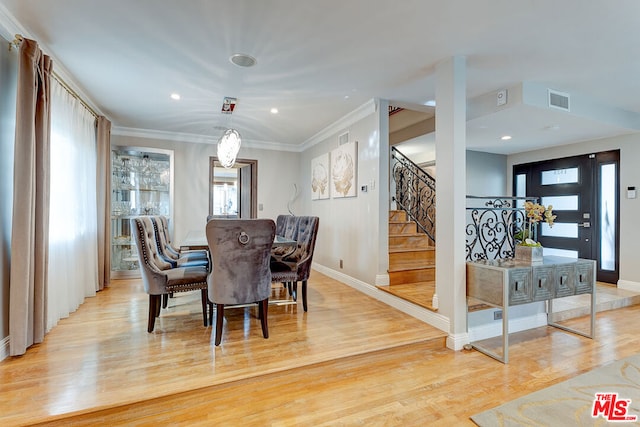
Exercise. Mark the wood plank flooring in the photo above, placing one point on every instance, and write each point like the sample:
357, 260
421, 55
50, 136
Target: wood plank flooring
102, 356
370, 365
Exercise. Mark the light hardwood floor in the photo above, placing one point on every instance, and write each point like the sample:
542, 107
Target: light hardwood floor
349, 361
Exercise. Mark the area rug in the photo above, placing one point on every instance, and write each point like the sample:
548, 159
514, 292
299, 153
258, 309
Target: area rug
611, 392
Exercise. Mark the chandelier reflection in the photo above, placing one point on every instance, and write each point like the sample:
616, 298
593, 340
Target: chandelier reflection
228, 147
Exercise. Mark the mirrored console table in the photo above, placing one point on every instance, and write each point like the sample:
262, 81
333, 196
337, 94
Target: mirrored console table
507, 282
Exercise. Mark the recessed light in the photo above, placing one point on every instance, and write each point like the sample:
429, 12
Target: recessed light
175, 96
274, 111
346, 97
505, 137
243, 60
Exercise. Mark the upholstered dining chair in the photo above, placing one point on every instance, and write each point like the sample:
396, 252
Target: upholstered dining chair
158, 277
240, 251
172, 250
183, 259
286, 226
296, 266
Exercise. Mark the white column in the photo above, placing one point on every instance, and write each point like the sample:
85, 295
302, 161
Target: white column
451, 110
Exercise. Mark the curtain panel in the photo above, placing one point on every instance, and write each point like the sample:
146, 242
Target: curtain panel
30, 228
73, 234
103, 193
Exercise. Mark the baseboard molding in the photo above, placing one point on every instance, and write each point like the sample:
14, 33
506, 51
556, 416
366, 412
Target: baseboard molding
515, 325
434, 319
382, 280
629, 285
4, 348
457, 342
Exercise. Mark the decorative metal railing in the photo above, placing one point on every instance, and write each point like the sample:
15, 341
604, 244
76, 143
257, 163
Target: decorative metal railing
415, 192
491, 225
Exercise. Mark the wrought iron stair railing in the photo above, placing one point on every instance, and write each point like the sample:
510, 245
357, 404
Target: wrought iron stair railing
492, 222
414, 192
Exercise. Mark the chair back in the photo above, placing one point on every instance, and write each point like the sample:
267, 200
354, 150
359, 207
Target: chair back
240, 252
306, 236
151, 264
163, 244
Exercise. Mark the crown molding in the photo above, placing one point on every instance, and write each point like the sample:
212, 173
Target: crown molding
339, 125
198, 139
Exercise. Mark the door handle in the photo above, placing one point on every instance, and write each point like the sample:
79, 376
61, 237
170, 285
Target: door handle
585, 224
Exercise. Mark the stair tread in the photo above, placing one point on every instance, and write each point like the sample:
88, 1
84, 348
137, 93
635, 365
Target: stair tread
422, 265
412, 249
409, 235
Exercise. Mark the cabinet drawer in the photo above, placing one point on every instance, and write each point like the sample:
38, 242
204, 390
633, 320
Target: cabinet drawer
565, 280
542, 283
519, 286
584, 277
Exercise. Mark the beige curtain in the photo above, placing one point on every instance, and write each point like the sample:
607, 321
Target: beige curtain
30, 232
103, 192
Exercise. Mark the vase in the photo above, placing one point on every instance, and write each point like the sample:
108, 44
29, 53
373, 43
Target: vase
529, 254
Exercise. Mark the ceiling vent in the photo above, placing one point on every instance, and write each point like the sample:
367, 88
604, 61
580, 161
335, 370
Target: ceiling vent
558, 100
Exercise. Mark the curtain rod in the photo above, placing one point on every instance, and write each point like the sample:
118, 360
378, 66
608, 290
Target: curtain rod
16, 44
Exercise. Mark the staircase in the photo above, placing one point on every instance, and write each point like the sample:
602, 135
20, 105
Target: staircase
411, 261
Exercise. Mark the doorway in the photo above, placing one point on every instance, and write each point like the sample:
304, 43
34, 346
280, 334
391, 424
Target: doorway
584, 193
233, 191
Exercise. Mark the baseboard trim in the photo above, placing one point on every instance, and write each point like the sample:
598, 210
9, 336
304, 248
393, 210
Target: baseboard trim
457, 342
629, 285
4, 348
434, 319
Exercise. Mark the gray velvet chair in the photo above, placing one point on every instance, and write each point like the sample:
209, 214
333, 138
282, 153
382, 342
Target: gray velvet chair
184, 259
172, 250
296, 267
240, 251
286, 226
158, 277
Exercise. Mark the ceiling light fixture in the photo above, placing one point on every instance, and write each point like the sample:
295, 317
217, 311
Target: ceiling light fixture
505, 138
274, 111
229, 142
228, 147
243, 60
175, 96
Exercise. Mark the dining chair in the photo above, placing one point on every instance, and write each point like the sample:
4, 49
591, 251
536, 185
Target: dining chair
240, 251
172, 250
158, 277
286, 226
296, 266
181, 259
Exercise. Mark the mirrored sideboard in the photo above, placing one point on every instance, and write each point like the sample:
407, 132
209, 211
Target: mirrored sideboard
506, 283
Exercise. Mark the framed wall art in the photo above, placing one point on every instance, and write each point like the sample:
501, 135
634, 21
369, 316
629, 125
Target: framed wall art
320, 177
344, 170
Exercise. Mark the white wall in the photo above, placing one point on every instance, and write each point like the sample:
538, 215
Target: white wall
629, 146
277, 172
486, 174
348, 228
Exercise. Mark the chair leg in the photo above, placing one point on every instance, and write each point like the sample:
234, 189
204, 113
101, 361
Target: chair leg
294, 293
204, 297
219, 320
304, 295
165, 300
263, 309
158, 304
210, 304
153, 302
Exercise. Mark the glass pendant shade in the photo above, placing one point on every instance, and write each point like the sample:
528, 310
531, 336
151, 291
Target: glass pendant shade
228, 147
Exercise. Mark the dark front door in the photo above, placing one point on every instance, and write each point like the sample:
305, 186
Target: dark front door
584, 193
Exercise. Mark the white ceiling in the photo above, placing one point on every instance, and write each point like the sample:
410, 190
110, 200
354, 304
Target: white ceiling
320, 60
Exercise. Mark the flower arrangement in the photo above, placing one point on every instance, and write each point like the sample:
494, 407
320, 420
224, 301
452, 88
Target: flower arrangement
534, 213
